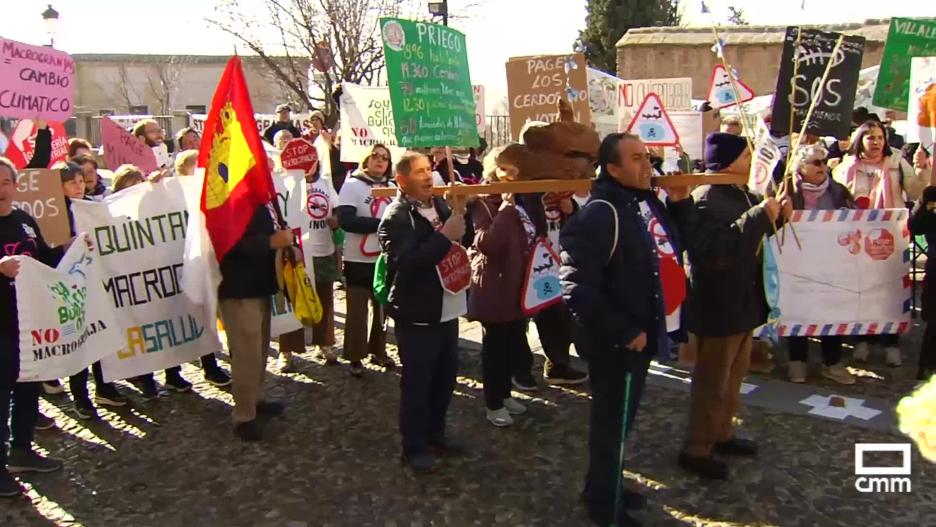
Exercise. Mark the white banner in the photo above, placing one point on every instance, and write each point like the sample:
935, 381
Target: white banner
851, 278
139, 234
65, 320
301, 121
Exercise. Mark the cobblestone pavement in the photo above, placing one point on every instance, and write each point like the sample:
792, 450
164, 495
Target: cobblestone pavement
333, 460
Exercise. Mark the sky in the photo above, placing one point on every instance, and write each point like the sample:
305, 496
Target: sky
496, 29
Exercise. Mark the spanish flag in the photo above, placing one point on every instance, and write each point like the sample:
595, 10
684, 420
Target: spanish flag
237, 174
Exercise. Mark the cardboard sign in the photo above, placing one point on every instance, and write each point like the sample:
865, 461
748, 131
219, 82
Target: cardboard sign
121, 147
906, 38
22, 145
535, 85
454, 271
35, 81
921, 113
676, 94
541, 287
832, 116
39, 194
652, 123
430, 85
721, 93
299, 154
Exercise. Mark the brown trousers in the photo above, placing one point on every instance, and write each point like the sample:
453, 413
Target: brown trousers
357, 344
247, 324
720, 367
292, 342
323, 333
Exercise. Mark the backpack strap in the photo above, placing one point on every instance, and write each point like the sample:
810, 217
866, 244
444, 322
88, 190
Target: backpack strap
614, 212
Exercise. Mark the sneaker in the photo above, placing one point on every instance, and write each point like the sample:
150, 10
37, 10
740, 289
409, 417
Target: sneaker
838, 373
524, 383
9, 487
26, 460
383, 362
176, 383
148, 389
86, 410
357, 369
514, 407
270, 408
44, 422
419, 463
284, 363
249, 431
217, 377
53, 387
109, 395
329, 355
563, 374
796, 370
707, 467
893, 356
736, 446
861, 352
500, 417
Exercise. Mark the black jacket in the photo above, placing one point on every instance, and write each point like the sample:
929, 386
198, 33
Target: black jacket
413, 248
923, 222
271, 130
726, 296
614, 299
248, 270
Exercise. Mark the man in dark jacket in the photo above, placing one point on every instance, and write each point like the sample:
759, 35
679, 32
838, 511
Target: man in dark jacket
429, 271
283, 122
623, 281
727, 301
923, 223
248, 280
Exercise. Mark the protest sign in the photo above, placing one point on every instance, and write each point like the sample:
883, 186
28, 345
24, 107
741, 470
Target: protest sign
675, 93
721, 92
302, 121
66, 322
366, 120
832, 115
454, 270
299, 154
766, 157
35, 81
851, 278
39, 194
22, 145
652, 123
430, 85
689, 127
602, 101
480, 120
541, 287
921, 112
535, 85
139, 234
292, 195
906, 38
121, 147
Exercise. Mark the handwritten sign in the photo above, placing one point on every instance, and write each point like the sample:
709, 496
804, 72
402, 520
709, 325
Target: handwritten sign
652, 123
35, 81
121, 147
22, 145
299, 154
721, 93
535, 85
675, 93
39, 194
832, 116
430, 85
906, 38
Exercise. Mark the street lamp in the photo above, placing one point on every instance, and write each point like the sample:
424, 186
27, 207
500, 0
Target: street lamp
50, 18
439, 9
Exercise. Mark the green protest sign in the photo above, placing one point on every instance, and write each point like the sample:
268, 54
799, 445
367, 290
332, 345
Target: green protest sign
430, 87
906, 38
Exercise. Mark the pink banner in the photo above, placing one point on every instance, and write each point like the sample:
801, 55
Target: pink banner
35, 82
121, 147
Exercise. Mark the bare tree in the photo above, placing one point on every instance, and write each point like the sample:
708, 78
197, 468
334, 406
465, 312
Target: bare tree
162, 80
736, 16
122, 88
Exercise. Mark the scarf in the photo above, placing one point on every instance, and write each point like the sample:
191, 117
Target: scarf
812, 193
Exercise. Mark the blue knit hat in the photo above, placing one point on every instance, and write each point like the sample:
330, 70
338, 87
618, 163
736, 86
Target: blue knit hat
721, 150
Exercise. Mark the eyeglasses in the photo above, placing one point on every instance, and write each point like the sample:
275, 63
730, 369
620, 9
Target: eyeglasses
380, 157
819, 162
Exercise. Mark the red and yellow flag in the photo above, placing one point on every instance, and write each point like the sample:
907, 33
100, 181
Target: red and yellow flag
237, 174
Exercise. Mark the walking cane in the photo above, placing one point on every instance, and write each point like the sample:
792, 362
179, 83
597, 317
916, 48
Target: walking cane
620, 465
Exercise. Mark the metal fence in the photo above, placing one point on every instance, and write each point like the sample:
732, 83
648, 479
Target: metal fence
89, 126
497, 130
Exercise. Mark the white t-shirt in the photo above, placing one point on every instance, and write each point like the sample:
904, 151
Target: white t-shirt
321, 200
362, 248
453, 306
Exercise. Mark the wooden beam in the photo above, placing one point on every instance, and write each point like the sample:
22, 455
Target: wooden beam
567, 185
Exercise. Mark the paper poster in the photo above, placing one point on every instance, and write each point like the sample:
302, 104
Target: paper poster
906, 38
921, 112
675, 93
66, 322
35, 82
39, 194
721, 92
121, 147
602, 100
535, 85
541, 287
688, 124
22, 145
652, 123
766, 157
833, 114
366, 120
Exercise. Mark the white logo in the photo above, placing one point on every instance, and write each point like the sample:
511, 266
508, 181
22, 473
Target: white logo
897, 482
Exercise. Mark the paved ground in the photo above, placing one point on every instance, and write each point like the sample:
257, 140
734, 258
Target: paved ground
333, 461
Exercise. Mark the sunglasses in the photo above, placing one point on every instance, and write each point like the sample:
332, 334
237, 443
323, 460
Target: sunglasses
819, 162
380, 157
